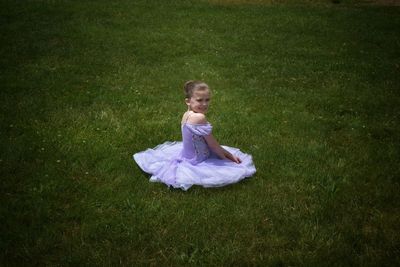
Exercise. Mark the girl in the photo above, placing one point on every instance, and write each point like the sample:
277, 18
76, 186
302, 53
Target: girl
198, 159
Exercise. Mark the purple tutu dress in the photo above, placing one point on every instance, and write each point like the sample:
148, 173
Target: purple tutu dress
191, 162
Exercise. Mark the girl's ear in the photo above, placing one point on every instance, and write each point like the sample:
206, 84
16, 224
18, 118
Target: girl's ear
187, 101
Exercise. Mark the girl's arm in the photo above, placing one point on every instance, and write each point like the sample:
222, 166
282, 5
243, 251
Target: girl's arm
200, 118
221, 152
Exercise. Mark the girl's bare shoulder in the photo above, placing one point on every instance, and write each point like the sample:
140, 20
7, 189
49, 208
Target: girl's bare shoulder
197, 118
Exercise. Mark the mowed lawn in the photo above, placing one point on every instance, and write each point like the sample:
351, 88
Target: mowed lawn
310, 90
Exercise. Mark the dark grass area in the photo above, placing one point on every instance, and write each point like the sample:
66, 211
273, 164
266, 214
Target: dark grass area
310, 90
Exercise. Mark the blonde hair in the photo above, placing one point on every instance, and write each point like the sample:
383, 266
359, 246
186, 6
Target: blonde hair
190, 86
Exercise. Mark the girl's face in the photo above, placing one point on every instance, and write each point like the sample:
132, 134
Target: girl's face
199, 101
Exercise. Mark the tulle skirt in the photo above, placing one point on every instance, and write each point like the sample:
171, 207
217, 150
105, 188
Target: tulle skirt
166, 165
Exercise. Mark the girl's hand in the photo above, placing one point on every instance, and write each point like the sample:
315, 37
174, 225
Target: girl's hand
234, 159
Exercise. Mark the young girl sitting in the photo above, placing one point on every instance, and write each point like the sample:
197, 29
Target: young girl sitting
198, 159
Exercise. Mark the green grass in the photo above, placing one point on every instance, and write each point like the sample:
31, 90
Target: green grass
310, 90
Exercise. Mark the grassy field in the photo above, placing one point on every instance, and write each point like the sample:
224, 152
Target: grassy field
311, 90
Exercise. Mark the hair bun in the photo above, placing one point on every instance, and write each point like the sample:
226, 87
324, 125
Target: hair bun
193, 85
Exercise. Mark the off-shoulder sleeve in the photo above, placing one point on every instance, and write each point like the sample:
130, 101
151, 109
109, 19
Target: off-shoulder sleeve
200, 129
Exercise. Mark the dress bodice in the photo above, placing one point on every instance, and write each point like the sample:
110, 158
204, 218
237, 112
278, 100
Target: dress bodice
195, 148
